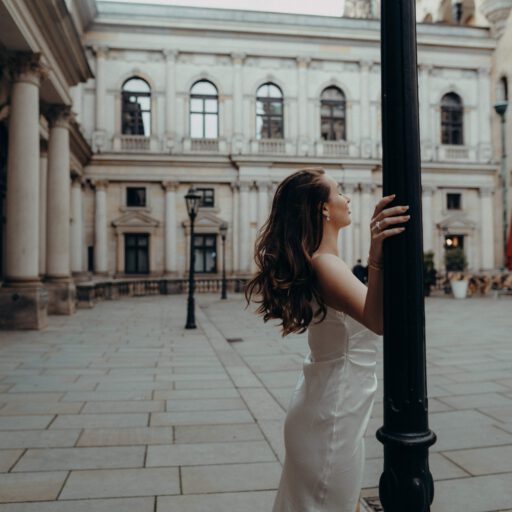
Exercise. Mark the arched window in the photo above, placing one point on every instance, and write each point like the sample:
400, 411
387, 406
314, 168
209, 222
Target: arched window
136, 107
204, 111
332, 114
269, 112
451, 119
502, 89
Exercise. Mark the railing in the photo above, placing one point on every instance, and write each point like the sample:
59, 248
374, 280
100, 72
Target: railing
207, 145
87, 294
135, 143
335, 148
453, 153
271, 146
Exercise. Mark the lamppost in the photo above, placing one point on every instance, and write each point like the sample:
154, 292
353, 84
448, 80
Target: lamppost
223, 230
192, 199
406, 485
501, 107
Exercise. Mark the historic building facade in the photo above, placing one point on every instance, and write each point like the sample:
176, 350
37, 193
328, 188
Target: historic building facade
148, 100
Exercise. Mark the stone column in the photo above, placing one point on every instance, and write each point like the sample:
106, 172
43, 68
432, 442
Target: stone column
244, 251
263, 206
238, 107
99, 135
484, 116
170, 99
367, 208
77, 228
23, 300
235, 222
302, 100
486, 229
61, 289
100, 229
428, 221
425, 115
347, 248
366, 142
43, 172
170, 266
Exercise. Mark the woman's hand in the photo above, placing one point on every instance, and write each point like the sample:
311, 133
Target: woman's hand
383, 223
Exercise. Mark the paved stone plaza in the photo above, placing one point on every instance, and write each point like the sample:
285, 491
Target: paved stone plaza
119, 409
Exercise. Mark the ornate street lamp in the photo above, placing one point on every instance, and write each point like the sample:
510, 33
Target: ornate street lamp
501, 108
192, 199
223, 230
406, 485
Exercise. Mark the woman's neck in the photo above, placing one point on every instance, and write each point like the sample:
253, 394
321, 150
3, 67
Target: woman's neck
329, 243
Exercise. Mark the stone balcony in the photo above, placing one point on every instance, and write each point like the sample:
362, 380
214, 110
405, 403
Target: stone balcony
455, 153
135, 143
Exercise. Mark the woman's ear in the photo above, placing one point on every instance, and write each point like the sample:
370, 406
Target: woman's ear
325, 211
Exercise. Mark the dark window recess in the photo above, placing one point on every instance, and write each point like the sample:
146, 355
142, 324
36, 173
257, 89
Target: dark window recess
207, 197
136, 107
90, 258
451, 119
204, 111
135, 196
453, 201
269, 112
205, 253
136, 253
332, 112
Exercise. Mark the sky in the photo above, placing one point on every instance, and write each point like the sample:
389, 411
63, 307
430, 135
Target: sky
320, 7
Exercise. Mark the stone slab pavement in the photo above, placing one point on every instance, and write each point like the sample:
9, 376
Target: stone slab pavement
119, 408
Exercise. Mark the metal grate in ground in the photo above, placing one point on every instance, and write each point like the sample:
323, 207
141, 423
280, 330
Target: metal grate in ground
371, 504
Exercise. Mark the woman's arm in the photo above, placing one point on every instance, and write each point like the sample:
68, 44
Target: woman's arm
341, 290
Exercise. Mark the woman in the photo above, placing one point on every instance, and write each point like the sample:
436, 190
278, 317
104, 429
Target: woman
302, 281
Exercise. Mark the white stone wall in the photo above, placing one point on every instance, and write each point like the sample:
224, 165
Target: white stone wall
302, 68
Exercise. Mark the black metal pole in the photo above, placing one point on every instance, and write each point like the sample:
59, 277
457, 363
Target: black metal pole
406, 485
223, 294
191, 319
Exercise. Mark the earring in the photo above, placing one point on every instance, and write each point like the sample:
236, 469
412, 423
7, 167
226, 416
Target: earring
328, 218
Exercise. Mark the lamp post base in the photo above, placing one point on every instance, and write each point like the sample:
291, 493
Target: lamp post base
191, 320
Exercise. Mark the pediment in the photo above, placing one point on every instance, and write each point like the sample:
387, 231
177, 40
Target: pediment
205, 220
135, 220
456, 222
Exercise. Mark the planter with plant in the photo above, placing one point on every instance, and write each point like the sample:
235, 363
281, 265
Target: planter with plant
456, 263
429, 272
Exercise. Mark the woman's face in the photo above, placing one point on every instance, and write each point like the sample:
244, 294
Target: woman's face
337, 206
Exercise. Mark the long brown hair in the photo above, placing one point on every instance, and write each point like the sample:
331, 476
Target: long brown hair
284, 281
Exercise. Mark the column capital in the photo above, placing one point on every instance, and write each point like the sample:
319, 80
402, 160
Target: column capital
101, 52
170, 186
428, 190
28, 67
483, 72
485, 191
425, 68
170, 55
238, 58
59, 116
77, 180
263, 185
244, 186
367, 188
303, 62
99, 184
365, 65
349, 188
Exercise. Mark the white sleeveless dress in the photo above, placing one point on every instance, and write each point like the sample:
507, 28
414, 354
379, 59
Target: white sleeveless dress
327, 418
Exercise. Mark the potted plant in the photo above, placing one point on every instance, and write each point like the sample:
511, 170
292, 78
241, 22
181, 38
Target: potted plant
455, 263
429, 272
